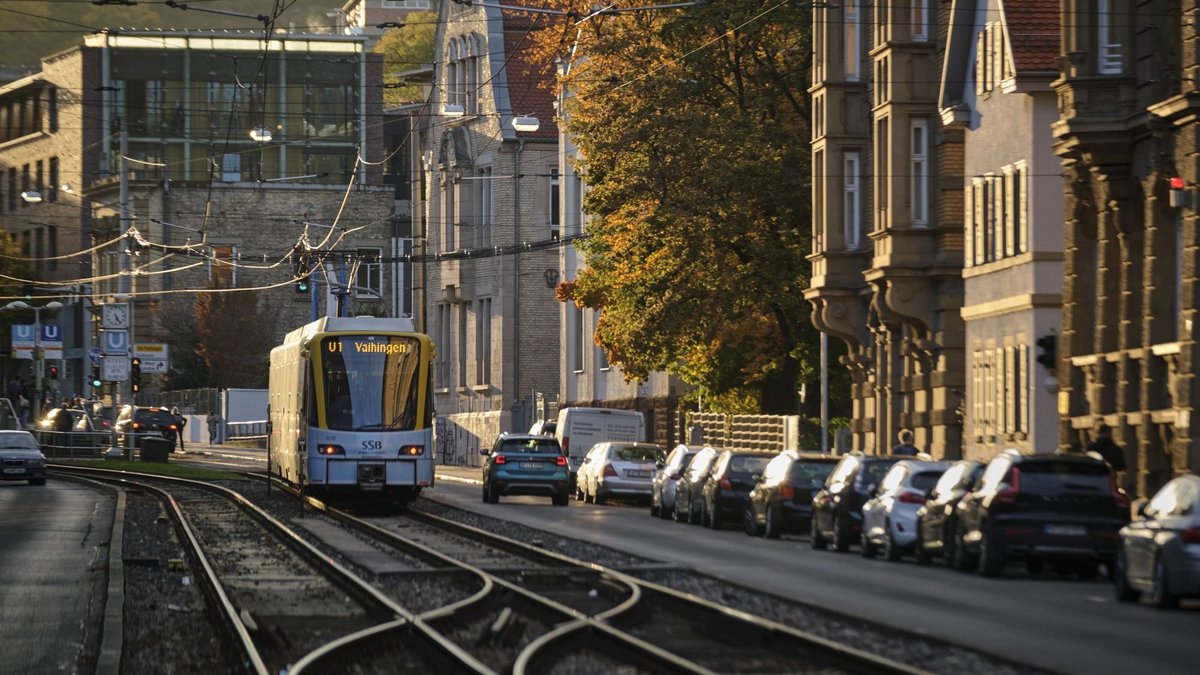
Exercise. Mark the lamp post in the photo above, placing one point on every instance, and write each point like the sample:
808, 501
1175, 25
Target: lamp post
38, 360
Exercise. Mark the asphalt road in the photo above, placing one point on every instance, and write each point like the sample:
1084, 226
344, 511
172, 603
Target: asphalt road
1061, 624
53, 551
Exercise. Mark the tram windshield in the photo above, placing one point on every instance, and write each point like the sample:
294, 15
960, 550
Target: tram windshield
371, 382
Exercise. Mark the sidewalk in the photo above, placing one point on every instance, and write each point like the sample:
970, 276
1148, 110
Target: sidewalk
471, 475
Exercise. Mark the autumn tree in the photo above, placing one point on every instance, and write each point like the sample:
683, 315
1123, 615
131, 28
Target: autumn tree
235, 331
407, 48
694, 128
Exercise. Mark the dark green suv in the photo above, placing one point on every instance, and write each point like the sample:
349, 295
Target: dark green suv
523, 464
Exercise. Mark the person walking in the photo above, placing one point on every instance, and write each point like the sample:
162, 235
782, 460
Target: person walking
180, 423
1106, 447
906, 446
214, 422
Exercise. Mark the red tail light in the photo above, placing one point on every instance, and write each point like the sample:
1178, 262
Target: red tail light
560, 461
786, 491
609, 470
1191, 535
501, 459
724, 484
911, 498
1119, 497
1009, 494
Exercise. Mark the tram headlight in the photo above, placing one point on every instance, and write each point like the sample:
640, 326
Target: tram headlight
411, 450
330, 450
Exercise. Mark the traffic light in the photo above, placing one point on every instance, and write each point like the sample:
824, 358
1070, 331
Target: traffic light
135, 373
53, 372
303, 284
96, 381
1048, 344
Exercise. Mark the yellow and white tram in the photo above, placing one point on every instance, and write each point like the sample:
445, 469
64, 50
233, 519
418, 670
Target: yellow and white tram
351, 408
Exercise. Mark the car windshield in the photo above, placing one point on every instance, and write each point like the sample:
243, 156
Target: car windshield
533, 446
636, 454
873, 472
371, 382
17, 442
751, 464
809, 473
1048, 478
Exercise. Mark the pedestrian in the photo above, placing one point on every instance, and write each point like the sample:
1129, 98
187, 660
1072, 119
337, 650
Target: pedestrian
1106, 447
180, 423
214, 422
24, 399
906, 446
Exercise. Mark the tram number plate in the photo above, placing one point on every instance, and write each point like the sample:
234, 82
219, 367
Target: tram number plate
17, 470
531, 465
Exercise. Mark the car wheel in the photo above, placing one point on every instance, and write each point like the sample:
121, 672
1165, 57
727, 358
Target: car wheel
695, 515
841, 535
749, 523
815, 538
493, 497
578, 493
664, 512
866, 548
919, 552
773, 529
560, 500
713, 521
598, 499
676, 514
891, 552
1121, 588
991, 562
958, 554
654, 508
1161, 594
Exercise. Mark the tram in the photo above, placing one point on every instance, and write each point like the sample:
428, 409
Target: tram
350, 409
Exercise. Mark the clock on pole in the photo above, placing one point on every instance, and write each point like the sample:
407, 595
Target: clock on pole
115, 315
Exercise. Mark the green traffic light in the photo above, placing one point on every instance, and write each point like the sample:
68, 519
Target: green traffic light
97, 383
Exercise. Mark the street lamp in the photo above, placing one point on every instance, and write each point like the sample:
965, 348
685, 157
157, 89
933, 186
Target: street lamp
38, 361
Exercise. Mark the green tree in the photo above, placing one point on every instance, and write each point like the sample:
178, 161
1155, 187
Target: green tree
407, 48
695, 127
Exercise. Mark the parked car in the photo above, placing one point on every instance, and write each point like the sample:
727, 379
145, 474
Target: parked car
890, 515
578, 429
137, 423
1159, 553
837, 507
618, 469
521, 464
1062, 508
688, 489
781, 502
21, 458
733, 476
57, 431
937, 520
666, 477
102, 416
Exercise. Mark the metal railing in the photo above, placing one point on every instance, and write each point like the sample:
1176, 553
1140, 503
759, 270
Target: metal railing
88, 444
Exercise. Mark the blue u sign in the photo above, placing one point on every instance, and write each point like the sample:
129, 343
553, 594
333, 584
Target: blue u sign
116, 342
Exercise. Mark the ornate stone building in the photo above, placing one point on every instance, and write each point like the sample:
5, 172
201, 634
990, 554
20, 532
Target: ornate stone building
1127, 137
887, 228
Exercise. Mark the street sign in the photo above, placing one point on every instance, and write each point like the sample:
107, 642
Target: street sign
115, 341
94, 355
22, 341
153, 356
115, 368
52, 341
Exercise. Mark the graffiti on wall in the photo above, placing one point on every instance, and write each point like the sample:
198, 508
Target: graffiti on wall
459, 437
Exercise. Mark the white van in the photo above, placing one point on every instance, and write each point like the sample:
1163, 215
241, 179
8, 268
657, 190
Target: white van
578, 429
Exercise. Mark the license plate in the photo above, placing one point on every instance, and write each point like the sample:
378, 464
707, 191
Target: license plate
531, 465
14, 471
638, 474
1066, 530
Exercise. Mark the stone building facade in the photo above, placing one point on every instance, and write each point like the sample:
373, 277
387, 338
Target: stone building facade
887, 225
236, 152
491, 222
1127, 138
995, 89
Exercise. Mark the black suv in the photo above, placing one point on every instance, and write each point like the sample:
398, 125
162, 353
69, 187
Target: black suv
837, 508
1061, 508
138, 423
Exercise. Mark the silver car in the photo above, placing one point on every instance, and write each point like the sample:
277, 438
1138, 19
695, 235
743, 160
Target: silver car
666, 477
618, 469
1159, 553
890, 515
20, 458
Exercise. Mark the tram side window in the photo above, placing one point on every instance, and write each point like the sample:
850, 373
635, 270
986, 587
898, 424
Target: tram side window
310, 395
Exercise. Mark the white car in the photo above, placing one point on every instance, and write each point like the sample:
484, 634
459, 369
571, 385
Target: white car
617, 469
890, 515
666, 477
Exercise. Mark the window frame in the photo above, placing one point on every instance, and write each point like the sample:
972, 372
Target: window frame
852, 200
919, 171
